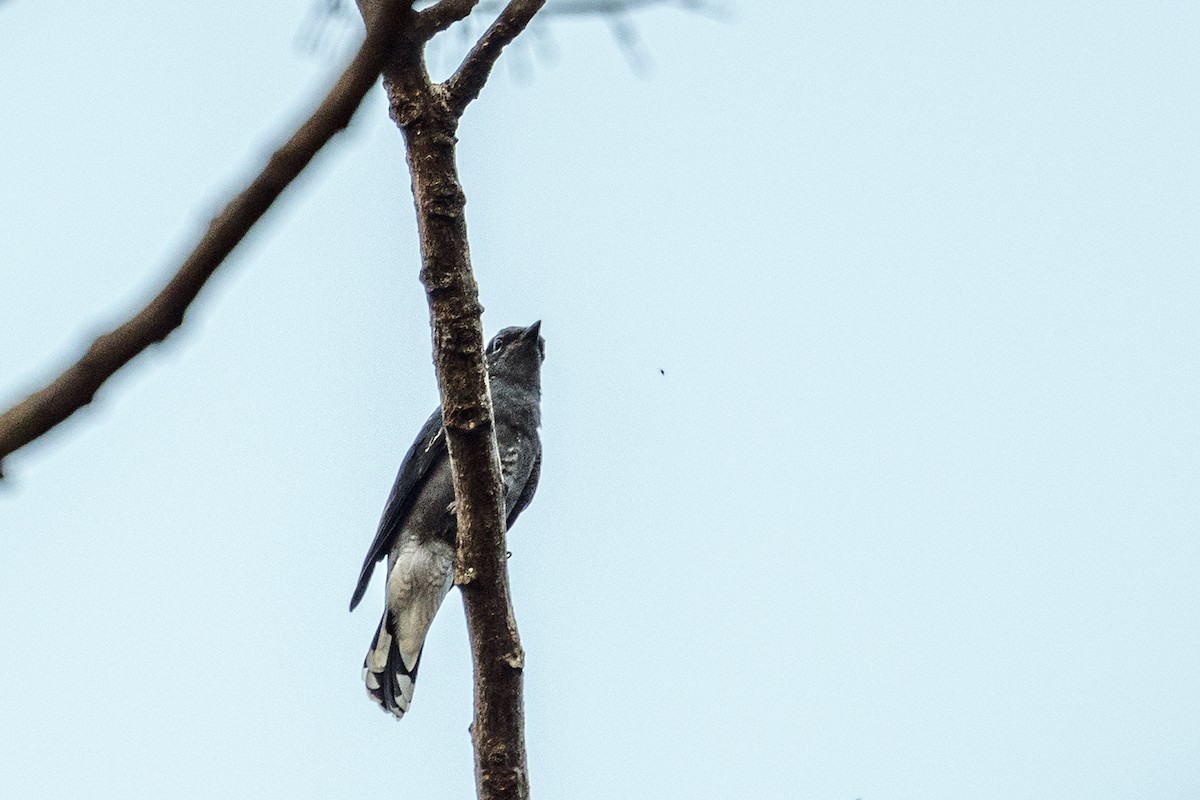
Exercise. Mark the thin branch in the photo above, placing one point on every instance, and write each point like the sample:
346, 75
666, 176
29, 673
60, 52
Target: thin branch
591, 8
440, 17
626, 36
468, 81
77, 386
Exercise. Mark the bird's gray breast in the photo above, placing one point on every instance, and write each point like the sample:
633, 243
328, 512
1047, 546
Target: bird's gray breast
431, 515
517, 440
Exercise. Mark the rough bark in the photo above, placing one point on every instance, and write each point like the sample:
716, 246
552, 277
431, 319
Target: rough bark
428, 115
498, 730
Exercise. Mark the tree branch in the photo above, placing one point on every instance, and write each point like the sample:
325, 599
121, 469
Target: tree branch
438, 18
498, 729
428, 117
588, 8
77, 386
468, 81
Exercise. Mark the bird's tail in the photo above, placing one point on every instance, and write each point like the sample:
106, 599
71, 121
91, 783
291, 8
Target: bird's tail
389, 680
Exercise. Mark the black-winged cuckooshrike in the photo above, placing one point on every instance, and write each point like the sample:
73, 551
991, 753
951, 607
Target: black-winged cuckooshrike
418, 530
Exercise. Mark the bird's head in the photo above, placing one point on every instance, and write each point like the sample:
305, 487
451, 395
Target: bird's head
518, 353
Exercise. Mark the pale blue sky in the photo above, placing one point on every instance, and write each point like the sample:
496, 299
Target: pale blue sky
912, 514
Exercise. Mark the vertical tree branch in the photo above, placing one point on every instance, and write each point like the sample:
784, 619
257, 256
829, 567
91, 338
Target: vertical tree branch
498, 730
428, 115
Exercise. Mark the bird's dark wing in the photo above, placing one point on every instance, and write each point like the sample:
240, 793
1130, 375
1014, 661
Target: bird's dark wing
530, 487
428, 449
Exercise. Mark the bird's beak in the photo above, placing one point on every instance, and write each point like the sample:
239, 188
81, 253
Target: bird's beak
531, 333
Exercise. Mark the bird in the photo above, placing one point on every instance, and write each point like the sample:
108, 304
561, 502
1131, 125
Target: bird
418, 530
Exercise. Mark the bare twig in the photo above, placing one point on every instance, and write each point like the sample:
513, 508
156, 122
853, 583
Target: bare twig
558, 7
77, 386
592, 8
626, 36
440, 17
468, 81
